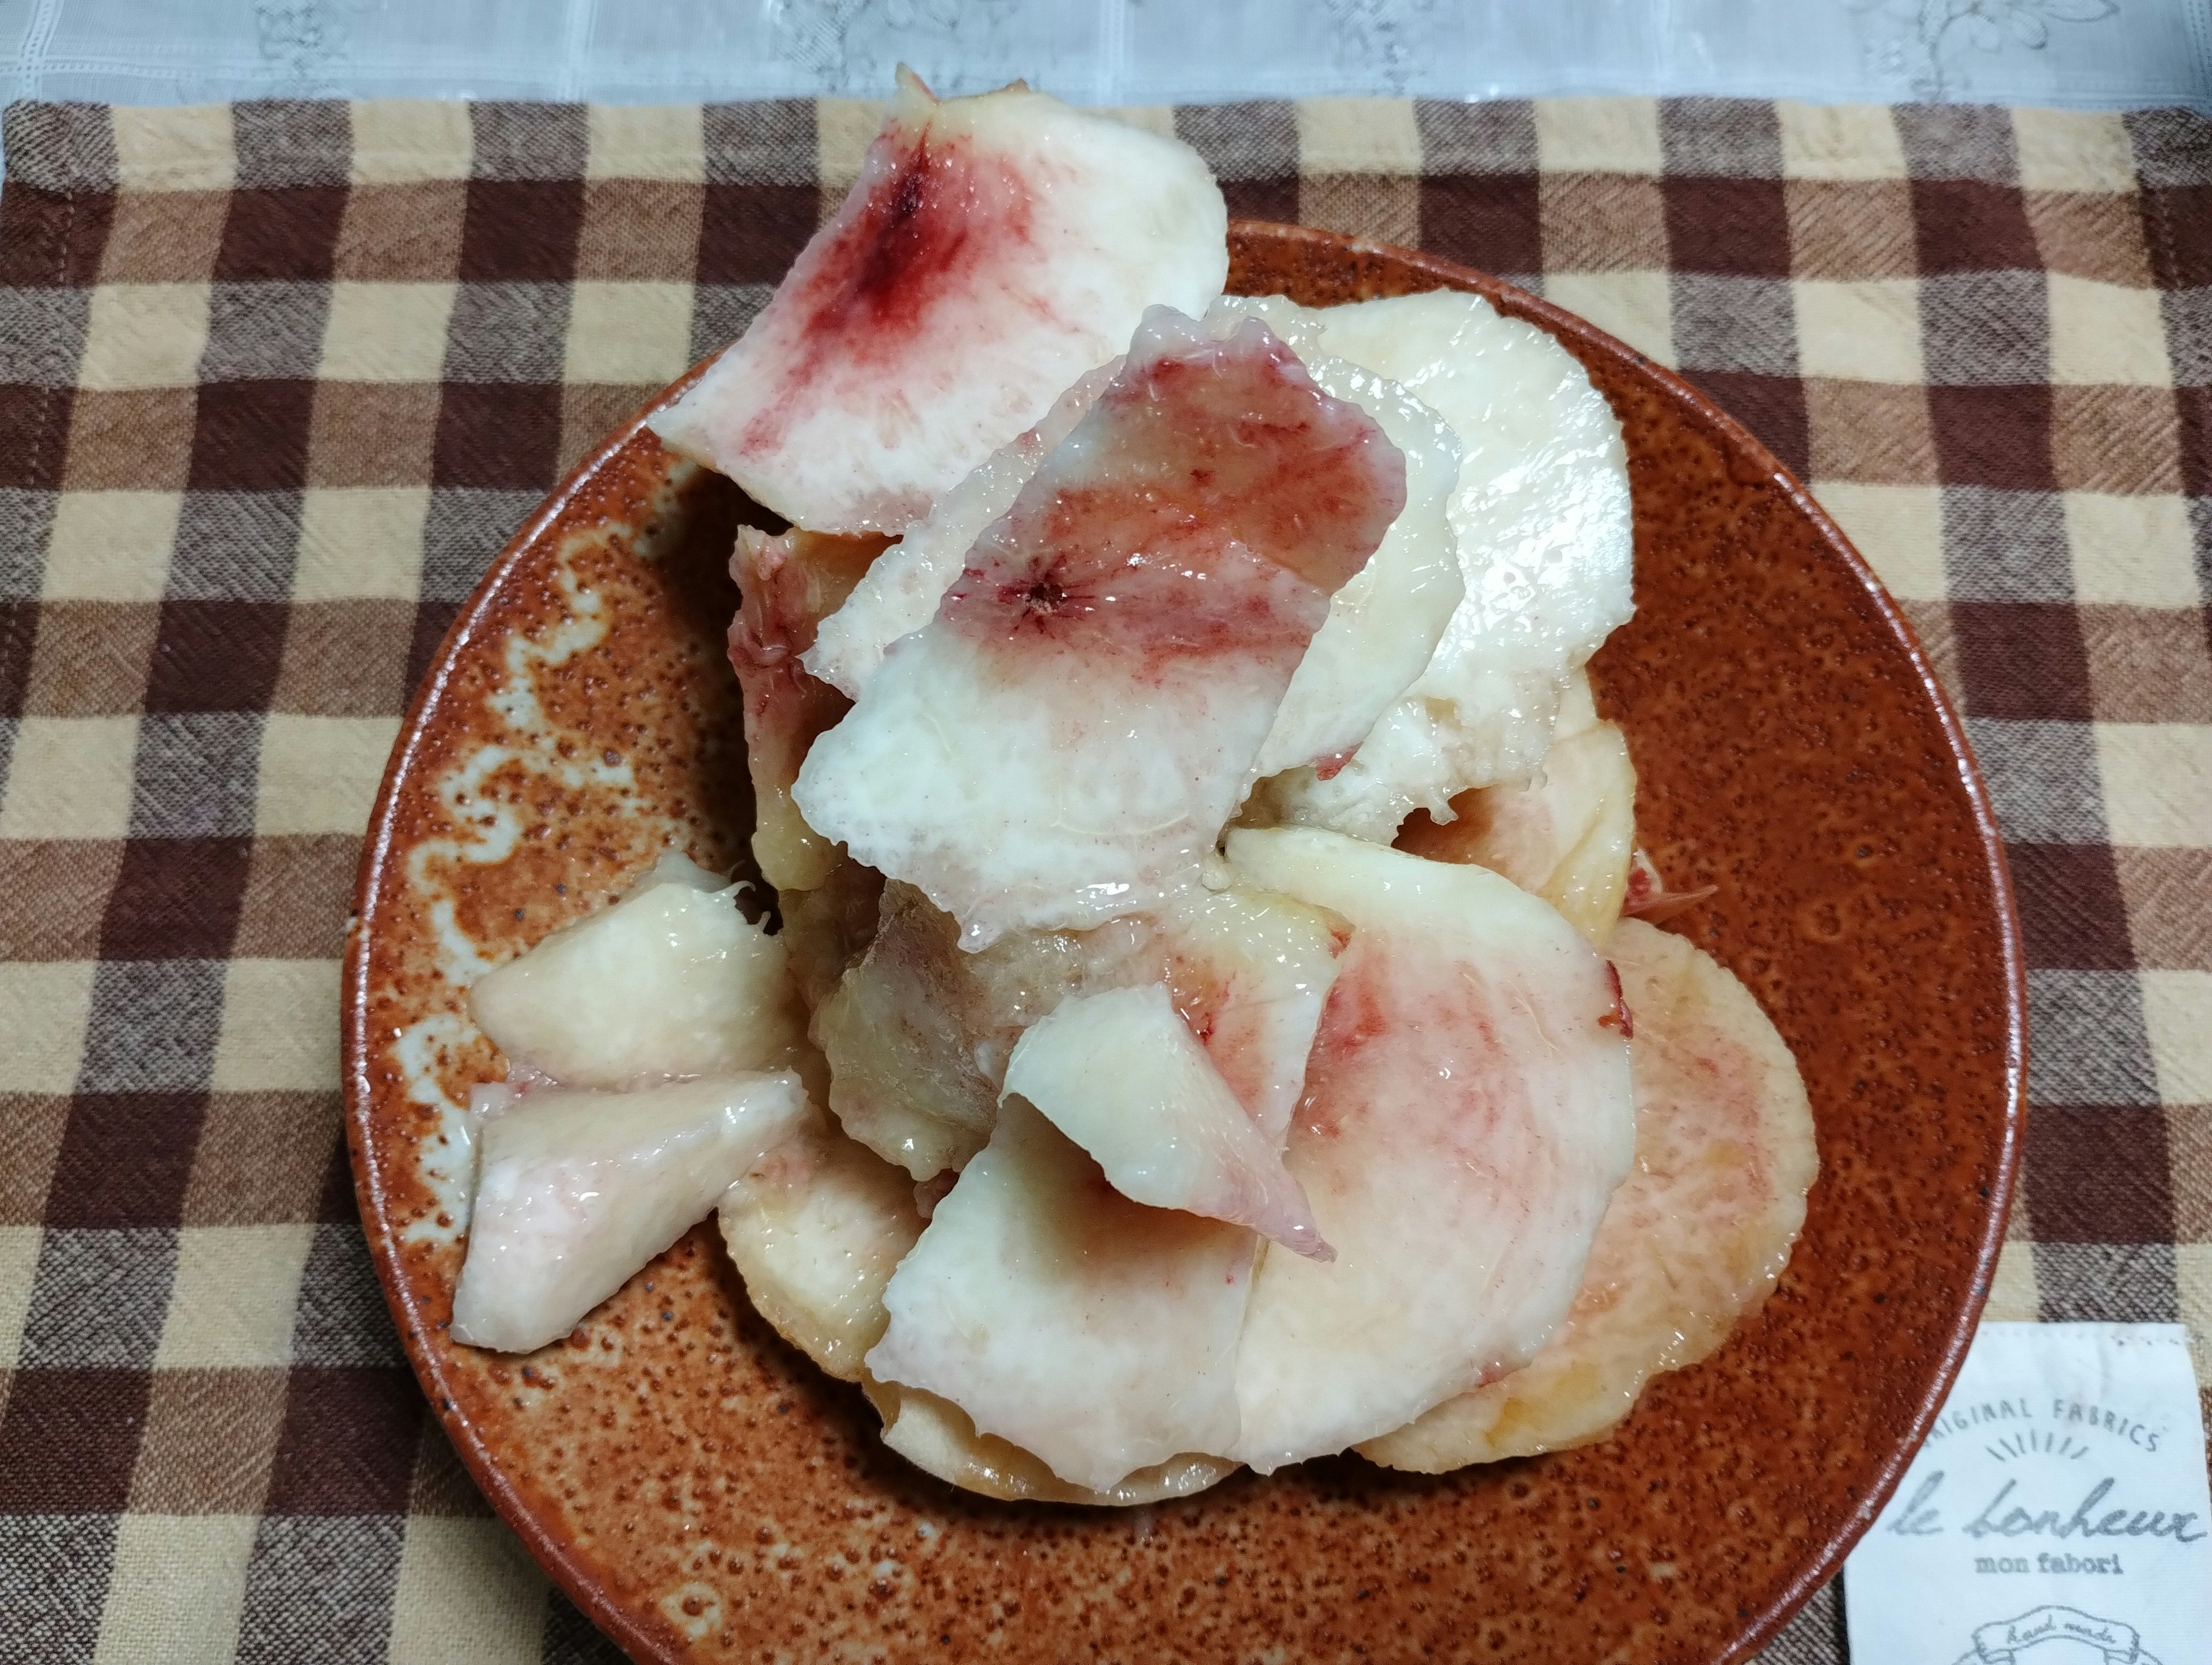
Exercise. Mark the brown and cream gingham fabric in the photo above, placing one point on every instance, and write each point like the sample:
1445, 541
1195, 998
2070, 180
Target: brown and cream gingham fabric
277, 379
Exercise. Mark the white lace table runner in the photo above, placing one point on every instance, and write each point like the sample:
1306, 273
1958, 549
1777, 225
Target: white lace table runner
2070, 53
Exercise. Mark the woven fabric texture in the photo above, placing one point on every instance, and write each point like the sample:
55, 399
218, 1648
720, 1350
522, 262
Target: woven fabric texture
277, 381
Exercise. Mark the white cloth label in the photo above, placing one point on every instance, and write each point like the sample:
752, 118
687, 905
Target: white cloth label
2058, 1514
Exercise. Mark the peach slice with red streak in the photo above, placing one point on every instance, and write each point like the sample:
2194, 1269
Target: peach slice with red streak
899, 591
1382, 624
993, 250
1466, 1117
1693, 1240
1386, 622
1063, 742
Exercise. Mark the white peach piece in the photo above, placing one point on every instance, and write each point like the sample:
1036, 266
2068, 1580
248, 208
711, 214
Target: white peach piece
901, 591
1250, 970
1120, 1074
1382, 626
577, 1190
937, 1436
993, 250
815, 1227
786, 586
1541, 514
1694, 1239
1565, 836
1092, 1331
918, 1033
1467, 1113
1385, 622
671, 981
1062, 743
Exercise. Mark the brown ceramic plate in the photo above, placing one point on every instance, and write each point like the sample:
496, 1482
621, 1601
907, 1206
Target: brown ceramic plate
703, 1492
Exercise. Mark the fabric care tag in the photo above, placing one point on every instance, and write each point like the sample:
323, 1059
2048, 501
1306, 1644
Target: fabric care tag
2058, 1514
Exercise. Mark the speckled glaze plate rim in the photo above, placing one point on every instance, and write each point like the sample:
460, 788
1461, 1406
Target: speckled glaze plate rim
556, 1555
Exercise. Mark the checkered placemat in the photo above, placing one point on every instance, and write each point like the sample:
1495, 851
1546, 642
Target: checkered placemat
277, 379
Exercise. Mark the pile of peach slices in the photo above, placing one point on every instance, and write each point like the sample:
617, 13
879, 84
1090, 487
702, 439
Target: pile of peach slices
1201, 1026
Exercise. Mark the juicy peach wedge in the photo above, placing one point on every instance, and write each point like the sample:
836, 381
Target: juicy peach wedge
671, 981
579, 1189
918, 1033
1120, 1075
1694, 1240
1541, 513
816, 1228
899, 591
1466, 1117
938, 1437
993, 250
1062, 1317
1062, 743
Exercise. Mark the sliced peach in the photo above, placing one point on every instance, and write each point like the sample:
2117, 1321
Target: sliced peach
1385, 622
816, 1228
1565, 836
1063, 742
937, 1437
1092, 1331
671, 981
1250, 970
1382, 624
579, 1189
826, 931
1541, 514
1120, 1075
901, 590
993, 250
1692, 1241
786, 586
918, 1033
1466, 1115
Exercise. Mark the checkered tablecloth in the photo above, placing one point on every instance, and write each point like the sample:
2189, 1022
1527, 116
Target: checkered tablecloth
277, 379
